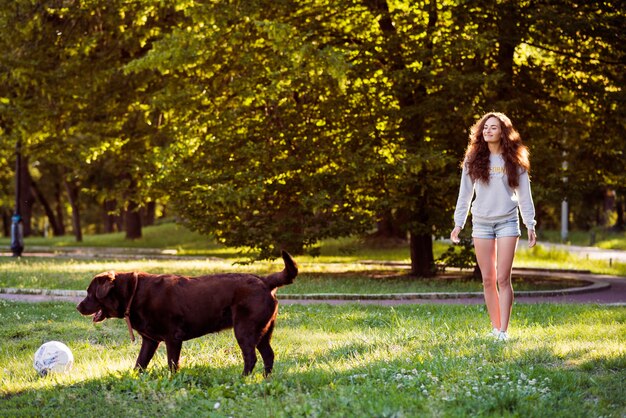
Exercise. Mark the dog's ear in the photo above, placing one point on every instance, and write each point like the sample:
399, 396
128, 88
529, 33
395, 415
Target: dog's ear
105, 285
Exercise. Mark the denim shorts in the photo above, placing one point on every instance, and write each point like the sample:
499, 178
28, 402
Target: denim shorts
493, 230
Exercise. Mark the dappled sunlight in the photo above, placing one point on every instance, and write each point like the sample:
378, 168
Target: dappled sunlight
575, 347
438, 356
211, 350
346, 267
80, 266
76, 274
19, 375
337, 352
571, 346
103, 365
182, 264
542, 257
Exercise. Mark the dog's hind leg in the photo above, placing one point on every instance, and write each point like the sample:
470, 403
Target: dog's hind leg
173, 353
148, 348
246, 338
266, 351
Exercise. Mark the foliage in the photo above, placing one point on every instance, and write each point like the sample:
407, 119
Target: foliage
280, 124
280, 167
382, 361
463, 259
83, 124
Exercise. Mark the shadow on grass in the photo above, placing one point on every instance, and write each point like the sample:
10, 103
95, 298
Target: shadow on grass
351, 361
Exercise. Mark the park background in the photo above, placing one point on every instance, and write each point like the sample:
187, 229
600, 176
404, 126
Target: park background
269, 125
327, 128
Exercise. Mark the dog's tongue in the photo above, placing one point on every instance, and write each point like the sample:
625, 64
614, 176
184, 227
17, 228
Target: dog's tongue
98, 316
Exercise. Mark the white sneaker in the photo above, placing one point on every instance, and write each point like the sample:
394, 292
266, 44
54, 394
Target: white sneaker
494, 333
502, 336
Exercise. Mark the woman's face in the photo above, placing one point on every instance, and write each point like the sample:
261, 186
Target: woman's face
492, 132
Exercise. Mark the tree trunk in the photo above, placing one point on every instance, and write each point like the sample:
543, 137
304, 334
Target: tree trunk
619, 208
72, 193
60, 214
511, 29
27, 200
6, 222
422, 260
133, 221
110, 216
409, 94
477, 274
389, 227
47, 209
149, 214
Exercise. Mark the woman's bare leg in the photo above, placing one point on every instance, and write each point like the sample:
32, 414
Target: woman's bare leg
505, 249
486, 257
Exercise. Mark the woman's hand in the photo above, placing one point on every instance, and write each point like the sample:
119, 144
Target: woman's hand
454, 235
532, 238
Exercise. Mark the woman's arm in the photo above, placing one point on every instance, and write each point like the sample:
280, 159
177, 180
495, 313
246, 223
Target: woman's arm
527, 207
466, 192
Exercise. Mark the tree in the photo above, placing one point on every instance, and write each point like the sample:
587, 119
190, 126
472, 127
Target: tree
572, 63
69, 100
275, 124
409, 79
262, 157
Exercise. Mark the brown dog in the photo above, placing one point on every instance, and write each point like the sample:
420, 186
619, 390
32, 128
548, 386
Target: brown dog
175, 309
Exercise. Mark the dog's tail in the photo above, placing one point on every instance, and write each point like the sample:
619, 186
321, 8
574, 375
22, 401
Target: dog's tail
286, 276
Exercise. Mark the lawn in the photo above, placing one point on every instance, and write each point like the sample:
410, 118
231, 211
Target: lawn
340, 268
349, 361
599, 237
314, 277
172, 236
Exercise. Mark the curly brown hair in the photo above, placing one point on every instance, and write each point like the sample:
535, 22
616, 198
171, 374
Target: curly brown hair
514, 152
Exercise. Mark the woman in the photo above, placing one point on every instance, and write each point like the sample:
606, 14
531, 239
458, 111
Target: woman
496, 168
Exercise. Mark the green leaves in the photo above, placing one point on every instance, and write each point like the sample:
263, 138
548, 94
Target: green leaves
275, 123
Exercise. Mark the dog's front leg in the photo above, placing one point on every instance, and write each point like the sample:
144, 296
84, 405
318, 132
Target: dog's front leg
148, 348
173, 353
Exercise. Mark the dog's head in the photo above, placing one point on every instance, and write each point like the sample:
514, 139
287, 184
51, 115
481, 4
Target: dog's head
102, 300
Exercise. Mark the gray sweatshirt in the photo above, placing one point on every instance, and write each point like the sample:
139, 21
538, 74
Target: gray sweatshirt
495, 201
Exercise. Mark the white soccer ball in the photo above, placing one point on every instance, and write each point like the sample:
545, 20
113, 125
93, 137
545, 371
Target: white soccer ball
53, 356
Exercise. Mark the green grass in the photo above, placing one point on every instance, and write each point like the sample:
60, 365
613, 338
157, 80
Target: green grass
170, 235
542, 257
352, 278
337, 270
348, 361
164, 235
176, 238
598, 237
